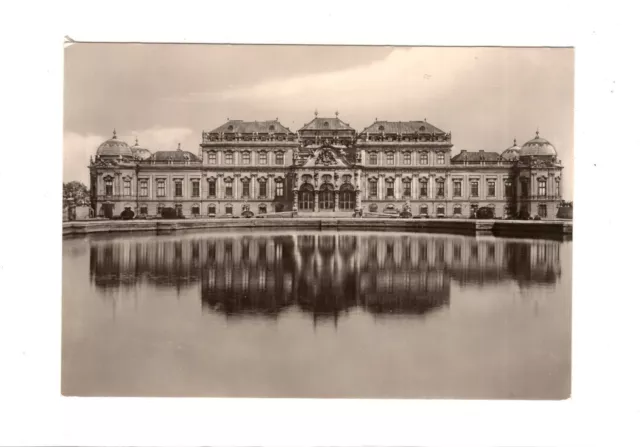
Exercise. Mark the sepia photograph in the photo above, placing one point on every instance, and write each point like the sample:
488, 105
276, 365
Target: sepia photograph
315, 221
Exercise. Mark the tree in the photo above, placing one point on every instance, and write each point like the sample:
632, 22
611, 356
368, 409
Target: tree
77, 190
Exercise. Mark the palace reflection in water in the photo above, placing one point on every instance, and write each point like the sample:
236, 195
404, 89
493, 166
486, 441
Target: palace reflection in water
322, 274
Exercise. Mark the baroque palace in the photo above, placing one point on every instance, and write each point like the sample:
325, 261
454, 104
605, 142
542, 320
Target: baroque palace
326, 168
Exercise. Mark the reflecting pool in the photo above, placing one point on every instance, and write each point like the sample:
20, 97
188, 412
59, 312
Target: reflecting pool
316, 314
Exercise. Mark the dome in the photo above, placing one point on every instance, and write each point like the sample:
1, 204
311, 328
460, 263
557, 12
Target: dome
114, 148
512, 152
538, 147
140, 152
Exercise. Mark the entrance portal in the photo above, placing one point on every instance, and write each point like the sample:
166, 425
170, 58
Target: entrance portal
306, 197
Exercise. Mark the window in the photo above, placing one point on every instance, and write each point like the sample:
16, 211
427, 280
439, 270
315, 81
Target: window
195, 188
440, 191
390, 192
440, 210
424, 188
279, 189
542, 210
542, 188
195, 210
228, 188
262, 158
212, 188
381, 128
159, 209
406, 158
279, 158
213, 158
228, 158
246, 158
406, 188
262, 208
508, 189
228, 209
178, 188
491, 188
326, 178
524, 188
245, 188
424, 210
440, 158
457, 210
127, 187
373, 189
373, 158
144, 188
474, 188
457, 189
108, 186
390, 158
424, 158
161, 188
262, 188
211, 210
144, 210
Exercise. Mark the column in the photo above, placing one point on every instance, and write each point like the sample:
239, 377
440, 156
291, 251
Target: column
336, 197
295, 200
236, 185
381, 186
316, 199
358, 200
270, 185
430, 193
220, 186
253, 193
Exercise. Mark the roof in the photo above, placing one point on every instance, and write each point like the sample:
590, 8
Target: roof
398, 127
114, 147
177, 155
239, 126
476, 156
327, 124
538, 147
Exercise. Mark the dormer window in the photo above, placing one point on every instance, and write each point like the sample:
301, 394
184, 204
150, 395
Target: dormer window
326, 125
230, 128
272, 128
422, 128
381, 128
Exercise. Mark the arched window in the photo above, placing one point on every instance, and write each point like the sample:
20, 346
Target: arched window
422, 128
306, 197
279, 158
373, 158
381, 128
390, 189
246, 158
262, 158
326, 197
406, 158
326, 125
406, 187
347, 197
272, 128
108, 186
373, 188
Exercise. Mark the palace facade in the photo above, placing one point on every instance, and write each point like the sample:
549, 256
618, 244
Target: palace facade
326, 168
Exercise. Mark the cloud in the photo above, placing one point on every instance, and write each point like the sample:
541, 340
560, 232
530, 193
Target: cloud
79, 148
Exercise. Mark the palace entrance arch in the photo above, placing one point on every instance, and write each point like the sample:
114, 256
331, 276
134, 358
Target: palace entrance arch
347, 197
306, 197
327, 197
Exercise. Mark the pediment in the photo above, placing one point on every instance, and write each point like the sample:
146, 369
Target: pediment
327, 155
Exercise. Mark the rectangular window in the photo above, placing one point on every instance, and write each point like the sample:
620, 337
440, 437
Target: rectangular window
542, 187
228, 190
440, 189
508, 189
212, 188
262, 159
144, 210
213, 158
279, 189
228, 158
373, 189
144, 188
245, 189
262, 189
440, 158
373, 158
246, 158
390, 192
491, 188
424, 189
542, 210
195, 188
457, 189
161, 188
108, 187
524, 189
178, 188
406, 158
406, 189
279, 158
474, 188
390, 158
424, 158
127, 187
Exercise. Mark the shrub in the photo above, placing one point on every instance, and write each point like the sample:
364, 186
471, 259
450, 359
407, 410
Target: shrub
484, 212
247, 213
523, 215
406, 214
127, 214
536, 217
169, 213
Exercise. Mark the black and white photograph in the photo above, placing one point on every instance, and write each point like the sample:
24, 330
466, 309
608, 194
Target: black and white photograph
317, 221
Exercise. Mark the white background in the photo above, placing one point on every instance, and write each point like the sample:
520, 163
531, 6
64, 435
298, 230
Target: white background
605, 404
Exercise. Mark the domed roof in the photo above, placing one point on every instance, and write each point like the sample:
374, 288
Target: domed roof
538, 147
114, 148
512, 152
140, 152
176, 155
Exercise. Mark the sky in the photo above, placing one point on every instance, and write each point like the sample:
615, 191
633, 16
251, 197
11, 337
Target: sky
168, 94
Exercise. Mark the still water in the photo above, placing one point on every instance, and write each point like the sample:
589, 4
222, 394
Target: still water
316, 314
